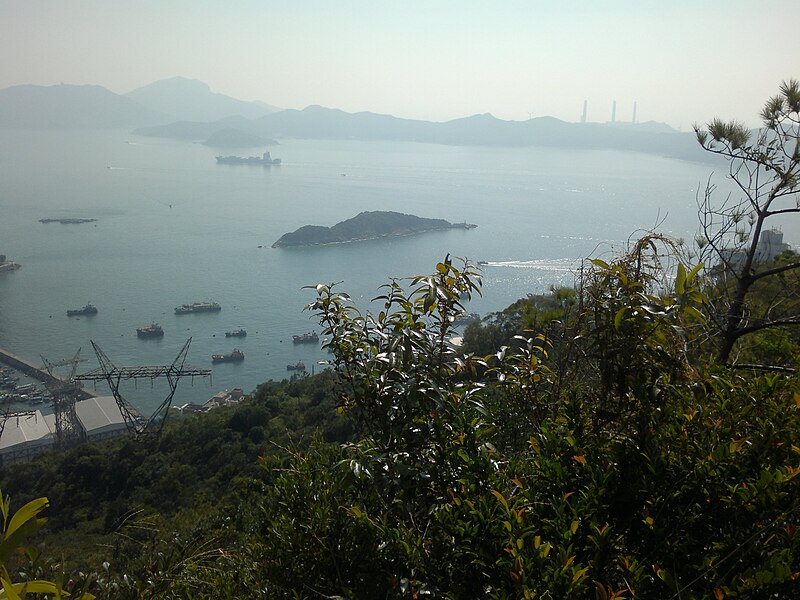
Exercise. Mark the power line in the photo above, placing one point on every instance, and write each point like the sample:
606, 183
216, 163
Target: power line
114, 376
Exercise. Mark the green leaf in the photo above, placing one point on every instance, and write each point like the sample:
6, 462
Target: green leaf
600, 263
579, 574
620, 316
694, 272
8, 589
25, 514
501, 499
430, 299
39, 586
692, 311
680, 280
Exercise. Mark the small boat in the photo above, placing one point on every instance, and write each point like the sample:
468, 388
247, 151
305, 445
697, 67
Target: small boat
89, 309
7, 265
234, 356
237, 333
264, 160
150, 331
298, 366
466, 319
306, 338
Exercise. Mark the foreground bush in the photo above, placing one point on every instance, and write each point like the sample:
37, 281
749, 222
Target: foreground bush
646, 478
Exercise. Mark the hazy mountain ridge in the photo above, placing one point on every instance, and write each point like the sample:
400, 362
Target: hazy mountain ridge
164, 103
317, 122
72, 106
29, 106
192, 100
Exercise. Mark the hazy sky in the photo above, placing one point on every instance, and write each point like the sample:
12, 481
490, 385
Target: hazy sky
682, 60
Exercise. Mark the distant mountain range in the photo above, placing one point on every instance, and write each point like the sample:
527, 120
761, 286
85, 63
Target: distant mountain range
316, 122
191, 100
71, 106
185, 109
93, 106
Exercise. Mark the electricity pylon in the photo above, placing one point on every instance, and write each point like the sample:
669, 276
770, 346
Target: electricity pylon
113, 375
65, 394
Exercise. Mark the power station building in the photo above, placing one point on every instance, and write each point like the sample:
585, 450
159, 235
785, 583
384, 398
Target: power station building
28, 434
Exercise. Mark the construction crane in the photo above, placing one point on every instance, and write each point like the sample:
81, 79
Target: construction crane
114, 376
65, 393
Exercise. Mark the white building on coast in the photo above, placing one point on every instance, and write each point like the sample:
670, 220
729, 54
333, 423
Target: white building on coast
26, 435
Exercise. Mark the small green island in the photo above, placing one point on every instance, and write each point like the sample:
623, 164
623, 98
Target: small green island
368, 225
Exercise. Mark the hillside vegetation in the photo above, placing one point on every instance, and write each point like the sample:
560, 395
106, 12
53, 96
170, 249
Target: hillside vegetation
599, 455
586, 443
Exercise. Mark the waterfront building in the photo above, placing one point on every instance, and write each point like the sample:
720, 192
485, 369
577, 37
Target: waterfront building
27, 434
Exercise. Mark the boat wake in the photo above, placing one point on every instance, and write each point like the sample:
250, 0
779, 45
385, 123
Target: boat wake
563, 265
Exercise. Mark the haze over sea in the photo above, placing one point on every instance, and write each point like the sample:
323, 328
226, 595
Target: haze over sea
174, 227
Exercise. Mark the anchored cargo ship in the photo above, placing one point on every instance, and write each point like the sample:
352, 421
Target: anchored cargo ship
237, 333
265, 160
306, 338
197, 307
89, 309
234, 356
150, 331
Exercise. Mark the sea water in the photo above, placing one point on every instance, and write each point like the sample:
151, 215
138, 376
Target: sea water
174, 227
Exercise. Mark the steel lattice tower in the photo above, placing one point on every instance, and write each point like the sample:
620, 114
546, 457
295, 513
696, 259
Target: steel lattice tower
65, 394
114, 376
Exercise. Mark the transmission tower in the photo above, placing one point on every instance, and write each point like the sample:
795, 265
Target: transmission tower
115, 375
65, 394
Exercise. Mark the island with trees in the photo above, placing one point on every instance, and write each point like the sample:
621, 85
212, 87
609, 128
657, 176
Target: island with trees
368, 225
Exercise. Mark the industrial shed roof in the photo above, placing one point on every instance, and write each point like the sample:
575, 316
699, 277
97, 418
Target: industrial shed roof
99, 413
31, 430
